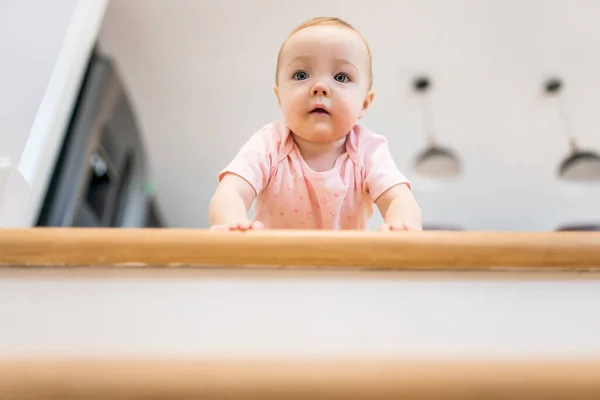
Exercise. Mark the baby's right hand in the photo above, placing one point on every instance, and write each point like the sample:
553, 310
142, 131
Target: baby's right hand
240, 226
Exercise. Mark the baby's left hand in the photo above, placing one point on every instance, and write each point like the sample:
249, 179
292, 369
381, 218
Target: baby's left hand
399, 226
400, 210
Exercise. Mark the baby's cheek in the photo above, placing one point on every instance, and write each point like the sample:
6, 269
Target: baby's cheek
350, 103
297, 96
293, 107
347, 112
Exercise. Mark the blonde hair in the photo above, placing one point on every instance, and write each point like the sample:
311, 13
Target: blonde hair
319, 21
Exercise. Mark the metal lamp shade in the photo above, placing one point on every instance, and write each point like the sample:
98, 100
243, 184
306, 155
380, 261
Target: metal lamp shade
580, 166
437, 162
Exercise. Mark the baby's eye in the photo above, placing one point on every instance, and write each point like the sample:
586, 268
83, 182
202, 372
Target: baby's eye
342, 77
300, 75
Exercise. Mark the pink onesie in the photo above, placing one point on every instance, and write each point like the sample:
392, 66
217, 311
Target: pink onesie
293, 196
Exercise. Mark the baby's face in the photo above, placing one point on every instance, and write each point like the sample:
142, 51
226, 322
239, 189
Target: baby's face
323, 86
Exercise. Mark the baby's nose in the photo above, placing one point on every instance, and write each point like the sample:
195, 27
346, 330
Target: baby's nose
320, 90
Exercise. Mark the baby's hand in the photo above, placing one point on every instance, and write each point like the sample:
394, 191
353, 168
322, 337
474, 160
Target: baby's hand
399, 226
240, 226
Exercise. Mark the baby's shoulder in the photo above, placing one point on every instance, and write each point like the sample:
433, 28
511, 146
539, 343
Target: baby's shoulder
272, 136
364, 142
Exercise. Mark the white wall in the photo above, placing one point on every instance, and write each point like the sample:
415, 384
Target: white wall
44, 47
200, 73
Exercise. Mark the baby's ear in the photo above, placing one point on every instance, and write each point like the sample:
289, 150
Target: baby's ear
276, 91
366, 103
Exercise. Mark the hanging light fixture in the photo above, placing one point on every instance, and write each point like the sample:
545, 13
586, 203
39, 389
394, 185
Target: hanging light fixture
435, 161
579, 165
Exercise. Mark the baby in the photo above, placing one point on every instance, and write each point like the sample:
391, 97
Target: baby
318, 168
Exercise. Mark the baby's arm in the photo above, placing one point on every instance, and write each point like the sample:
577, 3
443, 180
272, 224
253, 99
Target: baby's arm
240, 182
400, 209
389, 189
230, 204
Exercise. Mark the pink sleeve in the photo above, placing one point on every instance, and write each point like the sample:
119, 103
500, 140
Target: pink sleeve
254, 160
381, 172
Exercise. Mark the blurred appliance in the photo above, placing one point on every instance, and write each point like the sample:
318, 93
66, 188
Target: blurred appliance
581, 227
100, 177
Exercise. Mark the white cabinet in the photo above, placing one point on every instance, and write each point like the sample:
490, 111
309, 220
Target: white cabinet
14, 190
46, 45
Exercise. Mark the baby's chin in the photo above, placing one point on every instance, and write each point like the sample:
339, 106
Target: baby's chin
321, 135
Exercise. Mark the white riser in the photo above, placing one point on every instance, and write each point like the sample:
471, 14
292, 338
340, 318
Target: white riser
299, 313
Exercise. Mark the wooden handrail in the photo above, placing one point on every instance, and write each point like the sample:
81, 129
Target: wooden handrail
299, 249
343, 379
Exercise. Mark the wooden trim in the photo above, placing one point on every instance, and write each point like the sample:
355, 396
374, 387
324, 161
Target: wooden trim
300, 249
342, 379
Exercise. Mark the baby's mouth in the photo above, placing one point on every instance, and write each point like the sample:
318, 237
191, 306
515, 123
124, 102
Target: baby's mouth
320, 111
